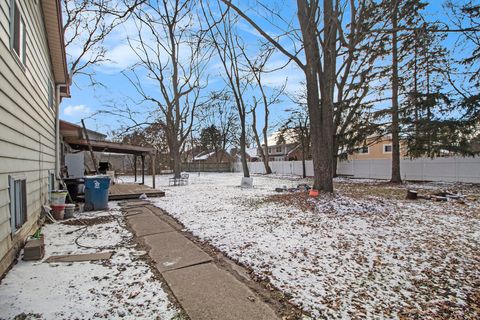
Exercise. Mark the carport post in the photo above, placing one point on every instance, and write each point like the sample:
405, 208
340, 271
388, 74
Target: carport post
152, 160
143, 168
135, 166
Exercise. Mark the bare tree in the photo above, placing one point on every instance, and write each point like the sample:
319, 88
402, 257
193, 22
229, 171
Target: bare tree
395, 127
257, 68
171, 56
220, 114
318, 42
228, 47
297, 127
358, 53
87, 23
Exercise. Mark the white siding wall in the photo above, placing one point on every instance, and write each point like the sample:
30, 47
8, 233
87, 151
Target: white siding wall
27, 124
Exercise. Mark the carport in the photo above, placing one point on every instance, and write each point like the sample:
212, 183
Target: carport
120, 148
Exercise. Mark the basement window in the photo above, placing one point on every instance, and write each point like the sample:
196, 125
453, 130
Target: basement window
18, 202
17, 31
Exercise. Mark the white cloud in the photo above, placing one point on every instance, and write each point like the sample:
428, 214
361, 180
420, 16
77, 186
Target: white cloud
75, 111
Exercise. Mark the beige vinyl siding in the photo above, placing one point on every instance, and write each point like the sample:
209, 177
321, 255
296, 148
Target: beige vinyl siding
27, 124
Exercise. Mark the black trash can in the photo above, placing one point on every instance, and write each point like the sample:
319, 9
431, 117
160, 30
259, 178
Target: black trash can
72, 187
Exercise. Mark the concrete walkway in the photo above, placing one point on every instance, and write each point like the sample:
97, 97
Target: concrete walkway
204, 290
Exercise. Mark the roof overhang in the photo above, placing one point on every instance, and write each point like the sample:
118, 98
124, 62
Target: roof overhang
107, 146
52, 17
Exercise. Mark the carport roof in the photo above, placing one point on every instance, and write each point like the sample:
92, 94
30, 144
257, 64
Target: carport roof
107, 146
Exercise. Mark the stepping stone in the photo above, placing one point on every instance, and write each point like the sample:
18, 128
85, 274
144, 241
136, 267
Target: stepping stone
172, 251
147, 223
80, 257
207, 292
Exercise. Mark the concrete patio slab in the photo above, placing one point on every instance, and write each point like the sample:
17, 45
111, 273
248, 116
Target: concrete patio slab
207, 292
172, 251
147, 223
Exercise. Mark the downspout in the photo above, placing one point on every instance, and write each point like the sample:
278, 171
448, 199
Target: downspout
57, 130
58, 100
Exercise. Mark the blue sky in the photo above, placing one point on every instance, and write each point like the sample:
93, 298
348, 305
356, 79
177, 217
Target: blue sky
86, 100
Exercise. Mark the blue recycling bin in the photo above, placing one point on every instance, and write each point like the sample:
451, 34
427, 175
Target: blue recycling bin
96, 192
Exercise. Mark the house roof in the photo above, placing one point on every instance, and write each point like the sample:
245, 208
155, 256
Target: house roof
288, 136
52, 16
252, 152
204, 155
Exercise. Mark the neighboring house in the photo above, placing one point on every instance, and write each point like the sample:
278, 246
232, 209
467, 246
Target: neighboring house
280, 149
296, 154
376, 148
252, 155
220, 156
33, 79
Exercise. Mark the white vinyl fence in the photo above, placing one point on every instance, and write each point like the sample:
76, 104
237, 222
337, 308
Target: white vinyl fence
423, 169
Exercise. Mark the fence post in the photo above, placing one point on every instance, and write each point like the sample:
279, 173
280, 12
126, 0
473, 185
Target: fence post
455, 163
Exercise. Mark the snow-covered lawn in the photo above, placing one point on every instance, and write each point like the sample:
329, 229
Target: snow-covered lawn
120, 288
354, 255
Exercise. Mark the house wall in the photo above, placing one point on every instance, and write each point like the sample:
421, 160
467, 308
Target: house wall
279, 152
27, 124
376, 151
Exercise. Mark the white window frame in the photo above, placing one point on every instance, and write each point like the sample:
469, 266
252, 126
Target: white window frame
51, 183
17, 186
387, 145
278, 149
20, 55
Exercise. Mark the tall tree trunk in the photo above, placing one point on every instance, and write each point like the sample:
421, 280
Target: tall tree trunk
321, 130
266, 158
327, 92
263, 153
177, 168
175, 154
304, 166
334, 167
335, 156
395, 126
243, 148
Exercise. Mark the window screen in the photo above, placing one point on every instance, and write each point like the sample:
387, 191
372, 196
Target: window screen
18, 203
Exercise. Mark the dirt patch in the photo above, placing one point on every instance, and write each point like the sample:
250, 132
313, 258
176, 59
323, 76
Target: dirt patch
89, 221
300, 200
24, 316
